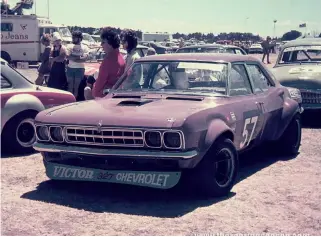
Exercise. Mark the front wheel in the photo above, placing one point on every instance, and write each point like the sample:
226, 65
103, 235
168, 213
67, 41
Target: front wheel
19, 133
215, 175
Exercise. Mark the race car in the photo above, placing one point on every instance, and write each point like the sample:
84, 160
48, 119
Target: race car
21, 100
159, 125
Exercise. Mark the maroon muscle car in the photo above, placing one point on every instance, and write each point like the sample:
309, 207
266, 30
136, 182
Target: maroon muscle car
170, 118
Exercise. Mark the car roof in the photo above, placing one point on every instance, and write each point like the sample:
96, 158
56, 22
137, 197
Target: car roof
141, 47
300, 42
201, 57
203, 46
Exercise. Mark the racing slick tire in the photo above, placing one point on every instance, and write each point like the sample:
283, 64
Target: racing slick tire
290, 141
19, 133
216, 174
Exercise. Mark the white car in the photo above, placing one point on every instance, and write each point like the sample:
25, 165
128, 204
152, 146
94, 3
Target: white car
255, 48
21, 101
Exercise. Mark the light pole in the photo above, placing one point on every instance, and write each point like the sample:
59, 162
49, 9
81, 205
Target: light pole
246, 22
275, 21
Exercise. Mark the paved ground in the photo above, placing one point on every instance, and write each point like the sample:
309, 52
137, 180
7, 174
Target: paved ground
273, 195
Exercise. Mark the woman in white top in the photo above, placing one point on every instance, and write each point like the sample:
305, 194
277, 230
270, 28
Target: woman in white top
129, 42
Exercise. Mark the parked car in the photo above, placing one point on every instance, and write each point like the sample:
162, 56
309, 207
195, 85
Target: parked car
159, 124
21, 100
255, 48
160, 49
212, 48
299, 65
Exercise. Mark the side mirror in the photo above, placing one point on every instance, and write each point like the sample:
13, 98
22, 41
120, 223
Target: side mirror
106, 91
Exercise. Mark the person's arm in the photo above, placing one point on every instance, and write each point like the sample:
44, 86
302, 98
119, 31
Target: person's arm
88, 93
61, 56
45, 55
84, 57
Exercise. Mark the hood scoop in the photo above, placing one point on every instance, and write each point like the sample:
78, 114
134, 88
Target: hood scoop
184, 98
126, 96
134, 102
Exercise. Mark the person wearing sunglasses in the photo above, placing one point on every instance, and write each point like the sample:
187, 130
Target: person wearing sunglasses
113, 64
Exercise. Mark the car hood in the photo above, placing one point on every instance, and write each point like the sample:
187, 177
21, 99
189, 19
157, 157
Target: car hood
155, 112
299, 76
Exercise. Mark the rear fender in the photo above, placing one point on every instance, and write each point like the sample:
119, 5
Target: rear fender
290, 109
17, 104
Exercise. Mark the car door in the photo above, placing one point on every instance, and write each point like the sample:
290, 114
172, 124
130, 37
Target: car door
248, 115
269, 97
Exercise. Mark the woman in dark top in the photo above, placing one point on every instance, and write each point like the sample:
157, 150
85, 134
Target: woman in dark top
57, 78
44, 58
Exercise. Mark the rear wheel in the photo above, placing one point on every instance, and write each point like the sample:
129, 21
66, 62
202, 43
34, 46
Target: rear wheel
215, 175
19, 133
290, 141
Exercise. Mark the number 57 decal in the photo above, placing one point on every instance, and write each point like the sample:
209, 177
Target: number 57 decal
246, 131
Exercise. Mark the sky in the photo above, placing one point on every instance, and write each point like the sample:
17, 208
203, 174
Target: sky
186, 16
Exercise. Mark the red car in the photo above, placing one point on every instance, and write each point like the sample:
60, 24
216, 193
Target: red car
173, 117
21, 100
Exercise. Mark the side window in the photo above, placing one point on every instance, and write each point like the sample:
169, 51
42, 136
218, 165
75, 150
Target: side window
260, 82
239, 81
41, 31
5, 83
161, 78
237, 51
6, 27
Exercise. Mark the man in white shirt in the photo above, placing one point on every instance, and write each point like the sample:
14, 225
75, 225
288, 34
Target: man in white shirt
77, 54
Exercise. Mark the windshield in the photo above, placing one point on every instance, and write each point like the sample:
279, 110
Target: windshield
88, 38
301, 54
200, 50
176, 76
64, 32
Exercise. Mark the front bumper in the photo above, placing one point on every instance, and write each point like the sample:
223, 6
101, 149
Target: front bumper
41, 147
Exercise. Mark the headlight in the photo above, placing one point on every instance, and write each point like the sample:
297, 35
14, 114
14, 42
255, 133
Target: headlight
42, 133
153, 139
172, 140
295, 94
56, 134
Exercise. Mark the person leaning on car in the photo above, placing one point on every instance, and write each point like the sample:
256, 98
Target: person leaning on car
113, 65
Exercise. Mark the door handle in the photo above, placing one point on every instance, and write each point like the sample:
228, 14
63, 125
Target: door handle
259, 105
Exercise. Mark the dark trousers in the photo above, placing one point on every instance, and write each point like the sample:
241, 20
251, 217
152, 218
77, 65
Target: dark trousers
267, 54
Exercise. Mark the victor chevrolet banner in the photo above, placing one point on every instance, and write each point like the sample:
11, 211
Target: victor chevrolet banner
162, 180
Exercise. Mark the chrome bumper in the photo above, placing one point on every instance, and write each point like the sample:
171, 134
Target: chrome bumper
114, 152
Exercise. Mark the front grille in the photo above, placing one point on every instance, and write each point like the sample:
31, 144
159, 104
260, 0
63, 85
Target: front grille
311, 97
104, 137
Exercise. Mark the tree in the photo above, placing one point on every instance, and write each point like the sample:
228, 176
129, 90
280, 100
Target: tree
291, 35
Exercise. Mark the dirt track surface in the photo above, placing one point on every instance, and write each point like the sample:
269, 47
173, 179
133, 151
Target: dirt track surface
273, 195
